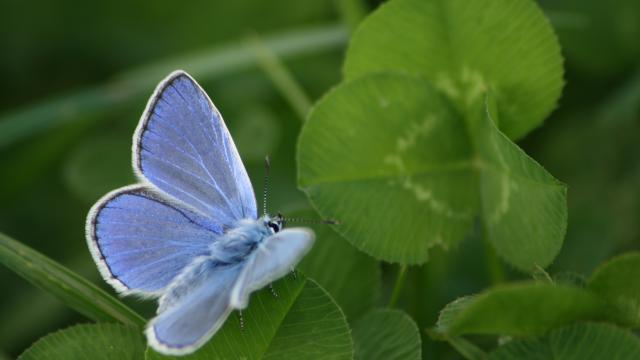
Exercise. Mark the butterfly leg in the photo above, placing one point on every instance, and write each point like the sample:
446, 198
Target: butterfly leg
294, 274
273, 291
241, 319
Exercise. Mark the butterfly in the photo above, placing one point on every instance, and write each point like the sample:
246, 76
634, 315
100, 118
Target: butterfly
188, 233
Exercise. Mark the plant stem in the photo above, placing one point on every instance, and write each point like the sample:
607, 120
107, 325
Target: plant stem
494, 266
352, 12
399, 284
91, 103
281, 77
467, 349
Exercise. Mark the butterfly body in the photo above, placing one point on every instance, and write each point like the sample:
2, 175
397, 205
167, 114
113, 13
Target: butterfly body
188, 234
243, 237
236, 245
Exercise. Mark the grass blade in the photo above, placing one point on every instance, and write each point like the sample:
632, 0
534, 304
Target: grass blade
72, 289
281, 77
90, 103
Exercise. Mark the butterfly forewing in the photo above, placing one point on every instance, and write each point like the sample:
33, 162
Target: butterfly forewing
183, 148
141, 242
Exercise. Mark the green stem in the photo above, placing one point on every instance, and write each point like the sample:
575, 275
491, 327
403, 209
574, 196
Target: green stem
467, 349
281, 77
91, 103
352, 12
494, 265
399, 284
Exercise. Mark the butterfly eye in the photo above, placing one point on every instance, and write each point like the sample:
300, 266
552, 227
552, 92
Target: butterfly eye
275, 227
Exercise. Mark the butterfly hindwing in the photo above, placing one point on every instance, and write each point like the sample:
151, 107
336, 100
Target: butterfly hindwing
272, 259
198, 302
141, 242
194, 307
183, 148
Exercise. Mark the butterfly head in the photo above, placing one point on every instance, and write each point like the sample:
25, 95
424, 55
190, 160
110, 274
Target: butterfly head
275, 224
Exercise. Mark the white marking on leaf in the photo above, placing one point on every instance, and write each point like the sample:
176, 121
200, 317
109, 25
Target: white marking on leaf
507, 186
503, 205
415, 130
421, 193
474, 84
465, 87
405, 143
446, 84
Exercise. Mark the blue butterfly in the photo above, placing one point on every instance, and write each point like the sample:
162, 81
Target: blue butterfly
188, 233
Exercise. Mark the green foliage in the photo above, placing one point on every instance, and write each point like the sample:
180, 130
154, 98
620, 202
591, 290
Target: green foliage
415, 148
518, 310
221, 60
425, 150
599, 38
541, 307
349, 276
451, 313
302, 322
524, 207
577, 342
89, 341
380, 154
465, 47
616, 282
72, 289
386, 335
414, 182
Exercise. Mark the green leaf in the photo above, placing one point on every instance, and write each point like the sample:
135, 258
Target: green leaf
576, 342
447, 317
518, 310
388, 157
72, 289
524, 208
450, 313
89, 341
463, 47
391, 158
570, 278
386, 334
615, 281
350, 276
302, 322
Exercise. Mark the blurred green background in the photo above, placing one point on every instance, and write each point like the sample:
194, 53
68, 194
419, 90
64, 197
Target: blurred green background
76, 76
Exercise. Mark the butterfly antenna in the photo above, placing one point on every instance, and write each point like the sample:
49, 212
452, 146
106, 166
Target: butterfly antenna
311, 221
267, 166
